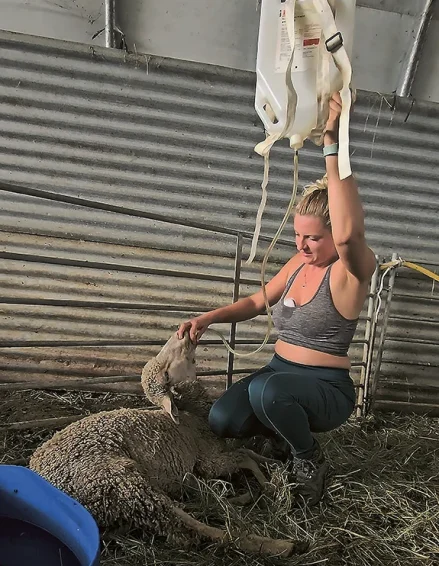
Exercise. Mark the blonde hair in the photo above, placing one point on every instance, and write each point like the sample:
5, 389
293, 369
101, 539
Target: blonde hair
314, 201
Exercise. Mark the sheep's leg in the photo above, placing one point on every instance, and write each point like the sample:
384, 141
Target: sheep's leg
242, 500
248, 460
258, 458
248, 543
245, 462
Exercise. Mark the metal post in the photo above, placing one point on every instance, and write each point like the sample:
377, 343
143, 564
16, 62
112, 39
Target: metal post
369, 360
368, 337
373, 384
411, 61
236, 286
110, 23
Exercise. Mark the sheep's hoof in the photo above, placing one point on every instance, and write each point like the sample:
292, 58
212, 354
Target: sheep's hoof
248, 498
256, 544
248, 542
241, 500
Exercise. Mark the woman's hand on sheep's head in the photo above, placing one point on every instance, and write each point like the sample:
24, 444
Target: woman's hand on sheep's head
196, 328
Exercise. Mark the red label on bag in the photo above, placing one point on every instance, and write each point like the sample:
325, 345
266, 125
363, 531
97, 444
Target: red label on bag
307, 42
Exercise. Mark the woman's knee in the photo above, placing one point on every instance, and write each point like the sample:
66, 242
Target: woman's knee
255, 391
264, 393
232, 415
272, 391
219, 419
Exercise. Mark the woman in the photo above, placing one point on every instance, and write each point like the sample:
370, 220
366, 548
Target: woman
317, 298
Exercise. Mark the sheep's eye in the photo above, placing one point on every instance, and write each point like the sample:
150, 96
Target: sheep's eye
167, 376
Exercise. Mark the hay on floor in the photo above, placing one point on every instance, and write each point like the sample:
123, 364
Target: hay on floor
381, 507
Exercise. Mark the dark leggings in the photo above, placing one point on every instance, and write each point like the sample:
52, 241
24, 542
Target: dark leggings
288, 399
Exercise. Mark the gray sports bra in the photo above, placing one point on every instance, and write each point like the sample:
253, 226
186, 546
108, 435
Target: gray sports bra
316, 324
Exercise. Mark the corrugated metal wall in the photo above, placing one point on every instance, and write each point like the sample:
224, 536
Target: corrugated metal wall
173, 139
409, 371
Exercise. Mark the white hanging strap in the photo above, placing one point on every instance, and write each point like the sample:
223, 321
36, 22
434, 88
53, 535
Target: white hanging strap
261, 209
323, 89
334, 44
263, 147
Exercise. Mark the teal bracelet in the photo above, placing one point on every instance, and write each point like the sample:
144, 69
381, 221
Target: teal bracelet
330, 150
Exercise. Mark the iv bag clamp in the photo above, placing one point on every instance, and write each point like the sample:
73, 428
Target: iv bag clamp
334, 42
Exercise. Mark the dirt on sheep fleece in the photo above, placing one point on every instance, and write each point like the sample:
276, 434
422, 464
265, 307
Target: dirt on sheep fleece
382, 505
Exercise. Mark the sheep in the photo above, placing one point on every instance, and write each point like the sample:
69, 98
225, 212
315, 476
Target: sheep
127, 466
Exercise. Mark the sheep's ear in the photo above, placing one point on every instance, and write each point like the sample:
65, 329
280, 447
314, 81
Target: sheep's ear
170, 407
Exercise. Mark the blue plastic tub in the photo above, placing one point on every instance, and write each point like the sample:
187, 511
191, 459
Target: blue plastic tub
41, 525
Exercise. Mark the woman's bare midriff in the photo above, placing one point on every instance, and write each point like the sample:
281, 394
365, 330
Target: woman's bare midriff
308, 357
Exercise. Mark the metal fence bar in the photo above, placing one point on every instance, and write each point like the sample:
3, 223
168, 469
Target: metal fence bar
96, 205
408, 296
369, 363
73, 303
420, 341
236, 288
417, 319
104, 343
115, 266
48, 383
425, 409
372, 386
122, 267
83, 343
369, 335
411, 363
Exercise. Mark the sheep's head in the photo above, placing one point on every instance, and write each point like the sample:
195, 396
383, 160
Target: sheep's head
158, 390
178, 359
175, 363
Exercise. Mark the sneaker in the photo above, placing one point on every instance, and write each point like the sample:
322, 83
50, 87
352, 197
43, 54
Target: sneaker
311, 475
